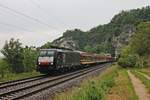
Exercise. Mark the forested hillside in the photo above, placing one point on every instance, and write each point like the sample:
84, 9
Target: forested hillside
106, 38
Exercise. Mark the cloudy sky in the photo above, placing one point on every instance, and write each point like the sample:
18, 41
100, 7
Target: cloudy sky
35, 22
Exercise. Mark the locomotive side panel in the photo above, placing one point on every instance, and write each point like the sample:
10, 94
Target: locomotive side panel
71, 59
50, 59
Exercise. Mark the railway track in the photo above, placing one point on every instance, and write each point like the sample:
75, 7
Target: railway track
25, 88
20, 81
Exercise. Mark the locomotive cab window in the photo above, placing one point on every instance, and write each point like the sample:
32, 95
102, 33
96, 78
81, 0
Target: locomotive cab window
42, 53
46, 53
50, 53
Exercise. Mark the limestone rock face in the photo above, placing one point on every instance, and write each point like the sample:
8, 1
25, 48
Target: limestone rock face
117, 41
123, 39
66, 42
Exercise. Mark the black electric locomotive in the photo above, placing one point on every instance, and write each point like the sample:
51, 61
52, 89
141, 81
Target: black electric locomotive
56, 59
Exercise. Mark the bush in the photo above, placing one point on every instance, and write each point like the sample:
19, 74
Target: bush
128, 61
3, 68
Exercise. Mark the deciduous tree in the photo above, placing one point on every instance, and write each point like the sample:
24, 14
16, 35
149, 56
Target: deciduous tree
12, 51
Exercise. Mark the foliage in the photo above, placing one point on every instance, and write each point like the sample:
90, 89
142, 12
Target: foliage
145, 71
79, 36
99, 48
9, 76
18, 58
88, 48
138, 51
141, 42
12, 51
96, 91
128, 61
3, 67
47, 45
30, 58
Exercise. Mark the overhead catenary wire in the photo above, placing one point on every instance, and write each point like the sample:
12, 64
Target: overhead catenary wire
13, 14
34, 2
27, 16
14, 26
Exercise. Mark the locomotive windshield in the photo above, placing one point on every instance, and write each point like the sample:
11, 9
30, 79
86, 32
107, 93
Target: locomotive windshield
48, 53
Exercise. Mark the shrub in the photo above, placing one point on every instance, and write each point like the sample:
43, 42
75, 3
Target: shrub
128, 61
3, 67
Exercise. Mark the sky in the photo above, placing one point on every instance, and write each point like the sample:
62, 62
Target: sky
35, 22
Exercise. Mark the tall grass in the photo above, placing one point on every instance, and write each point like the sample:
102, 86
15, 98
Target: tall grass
7, 75
94, 89
145, 71
12, 76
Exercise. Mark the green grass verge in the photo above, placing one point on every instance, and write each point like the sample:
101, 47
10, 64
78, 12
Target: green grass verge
113, 82
7, 75
94, 88
144, 80
123, 88
11, 76
145, 71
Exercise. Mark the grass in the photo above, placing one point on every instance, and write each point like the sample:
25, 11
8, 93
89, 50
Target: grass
145, 71
113, 84
95, 88
123, 90
144, 80
12, 76
7, 75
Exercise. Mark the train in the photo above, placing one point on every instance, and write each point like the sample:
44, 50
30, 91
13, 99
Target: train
65, 59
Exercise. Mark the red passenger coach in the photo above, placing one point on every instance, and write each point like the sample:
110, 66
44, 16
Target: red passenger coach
91, 58
86, 58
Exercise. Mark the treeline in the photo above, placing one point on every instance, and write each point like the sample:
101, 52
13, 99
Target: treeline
137, 53
100, 38
17, 59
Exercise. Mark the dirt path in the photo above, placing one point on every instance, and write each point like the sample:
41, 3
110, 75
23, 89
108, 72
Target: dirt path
140, 89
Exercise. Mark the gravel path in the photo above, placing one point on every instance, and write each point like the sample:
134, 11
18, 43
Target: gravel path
139, 87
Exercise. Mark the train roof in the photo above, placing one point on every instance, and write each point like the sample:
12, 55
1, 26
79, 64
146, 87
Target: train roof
58, 50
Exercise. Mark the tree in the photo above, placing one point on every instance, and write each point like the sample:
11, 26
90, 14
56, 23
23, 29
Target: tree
89, 48
12, 51
141, 41
47, 45
30, 58
128, 58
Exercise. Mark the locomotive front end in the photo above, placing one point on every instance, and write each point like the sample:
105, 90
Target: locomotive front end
45, 61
